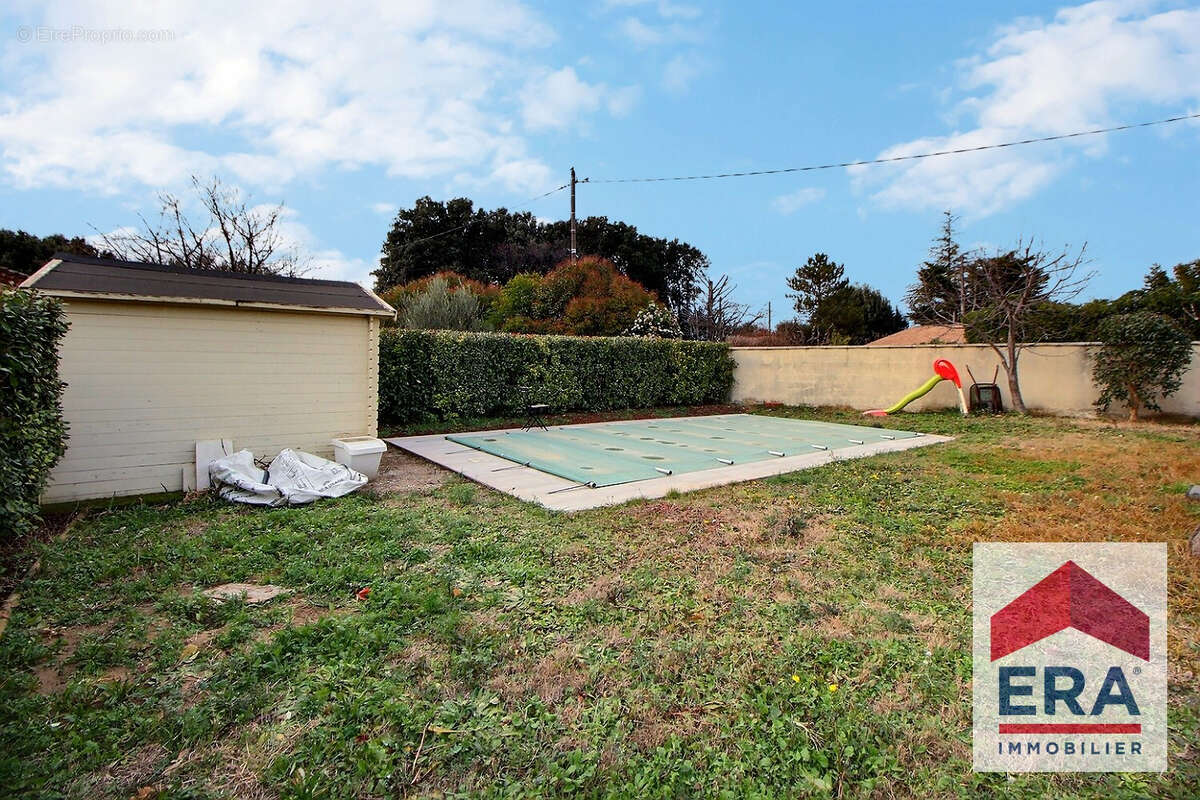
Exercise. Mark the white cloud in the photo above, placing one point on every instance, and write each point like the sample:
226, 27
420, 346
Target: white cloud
1091, 66
663, 27
977, 184
384, 209
794, 201
527, 175
665, 9
621, 101
554, 99
640, 33
557, 99
416, 89
334, 265
681, 70
644, 34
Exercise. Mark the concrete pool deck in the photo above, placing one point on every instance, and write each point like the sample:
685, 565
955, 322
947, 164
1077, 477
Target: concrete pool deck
561, 494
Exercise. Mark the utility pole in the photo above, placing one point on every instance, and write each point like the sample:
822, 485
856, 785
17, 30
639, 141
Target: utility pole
574, 252
769, 328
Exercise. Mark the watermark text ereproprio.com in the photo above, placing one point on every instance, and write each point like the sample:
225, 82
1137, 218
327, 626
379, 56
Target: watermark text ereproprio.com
81, 34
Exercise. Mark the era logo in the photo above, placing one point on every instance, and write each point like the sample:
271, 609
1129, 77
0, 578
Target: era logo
1070, 672
1114, 691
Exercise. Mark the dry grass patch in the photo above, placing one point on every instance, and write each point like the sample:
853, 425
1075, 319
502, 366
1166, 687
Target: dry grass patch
1128, 498
553, 677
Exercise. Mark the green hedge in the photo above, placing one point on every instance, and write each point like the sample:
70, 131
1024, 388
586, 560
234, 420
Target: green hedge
426, 375
32, 432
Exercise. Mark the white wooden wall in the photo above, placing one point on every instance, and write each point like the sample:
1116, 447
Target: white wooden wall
145, 381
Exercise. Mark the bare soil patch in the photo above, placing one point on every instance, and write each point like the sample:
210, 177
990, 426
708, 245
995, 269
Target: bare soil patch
401, 473
54, 673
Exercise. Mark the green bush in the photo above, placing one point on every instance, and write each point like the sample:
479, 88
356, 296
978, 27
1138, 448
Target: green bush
441, 307
32, 431
1143, 357
427, 375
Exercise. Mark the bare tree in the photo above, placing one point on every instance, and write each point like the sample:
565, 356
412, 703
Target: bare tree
1011, 284
234, 237
715, 315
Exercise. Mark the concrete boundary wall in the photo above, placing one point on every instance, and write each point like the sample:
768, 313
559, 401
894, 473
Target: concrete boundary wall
1055, 378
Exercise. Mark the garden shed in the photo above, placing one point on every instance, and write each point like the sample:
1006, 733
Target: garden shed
158, 358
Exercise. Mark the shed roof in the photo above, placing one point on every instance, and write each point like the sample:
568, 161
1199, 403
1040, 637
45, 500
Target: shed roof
67, 275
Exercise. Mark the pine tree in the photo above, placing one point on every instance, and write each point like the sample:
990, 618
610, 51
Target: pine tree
813, 282
943, 293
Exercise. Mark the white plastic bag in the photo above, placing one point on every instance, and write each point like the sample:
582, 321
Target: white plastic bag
292, 478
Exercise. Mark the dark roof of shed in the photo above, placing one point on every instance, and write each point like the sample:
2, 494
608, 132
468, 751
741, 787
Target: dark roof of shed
135, 280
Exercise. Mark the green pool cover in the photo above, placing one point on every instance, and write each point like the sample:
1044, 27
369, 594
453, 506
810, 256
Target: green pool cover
620, 452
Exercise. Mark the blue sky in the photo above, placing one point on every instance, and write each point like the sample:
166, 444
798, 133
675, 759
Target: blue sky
345, 113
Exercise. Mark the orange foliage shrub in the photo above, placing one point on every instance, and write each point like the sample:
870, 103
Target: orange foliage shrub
590, 297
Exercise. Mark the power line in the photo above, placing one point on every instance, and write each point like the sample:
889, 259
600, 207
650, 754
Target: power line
517, 207
867, 162
815, 167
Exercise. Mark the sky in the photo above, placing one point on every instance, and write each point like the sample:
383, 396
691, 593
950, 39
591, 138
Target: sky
346, 111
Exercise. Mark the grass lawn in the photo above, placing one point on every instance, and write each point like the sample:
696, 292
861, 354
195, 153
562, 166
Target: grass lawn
805, 635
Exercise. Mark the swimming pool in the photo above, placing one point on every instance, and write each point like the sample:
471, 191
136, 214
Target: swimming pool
611, 453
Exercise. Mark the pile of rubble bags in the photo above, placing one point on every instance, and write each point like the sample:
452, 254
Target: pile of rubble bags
292, 478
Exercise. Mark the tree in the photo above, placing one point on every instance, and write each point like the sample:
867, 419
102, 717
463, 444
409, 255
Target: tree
1143, 357
715, 314
856, 315
1175, 294
672, 269
232, 236
943, 293
433, 236
813, 282
791, 332
25, 253
1011, 286
1062, 322
509, 259
493, 246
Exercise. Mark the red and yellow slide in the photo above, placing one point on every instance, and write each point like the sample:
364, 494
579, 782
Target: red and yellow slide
943, 370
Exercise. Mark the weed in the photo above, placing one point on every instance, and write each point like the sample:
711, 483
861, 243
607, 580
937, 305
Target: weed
462, 494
